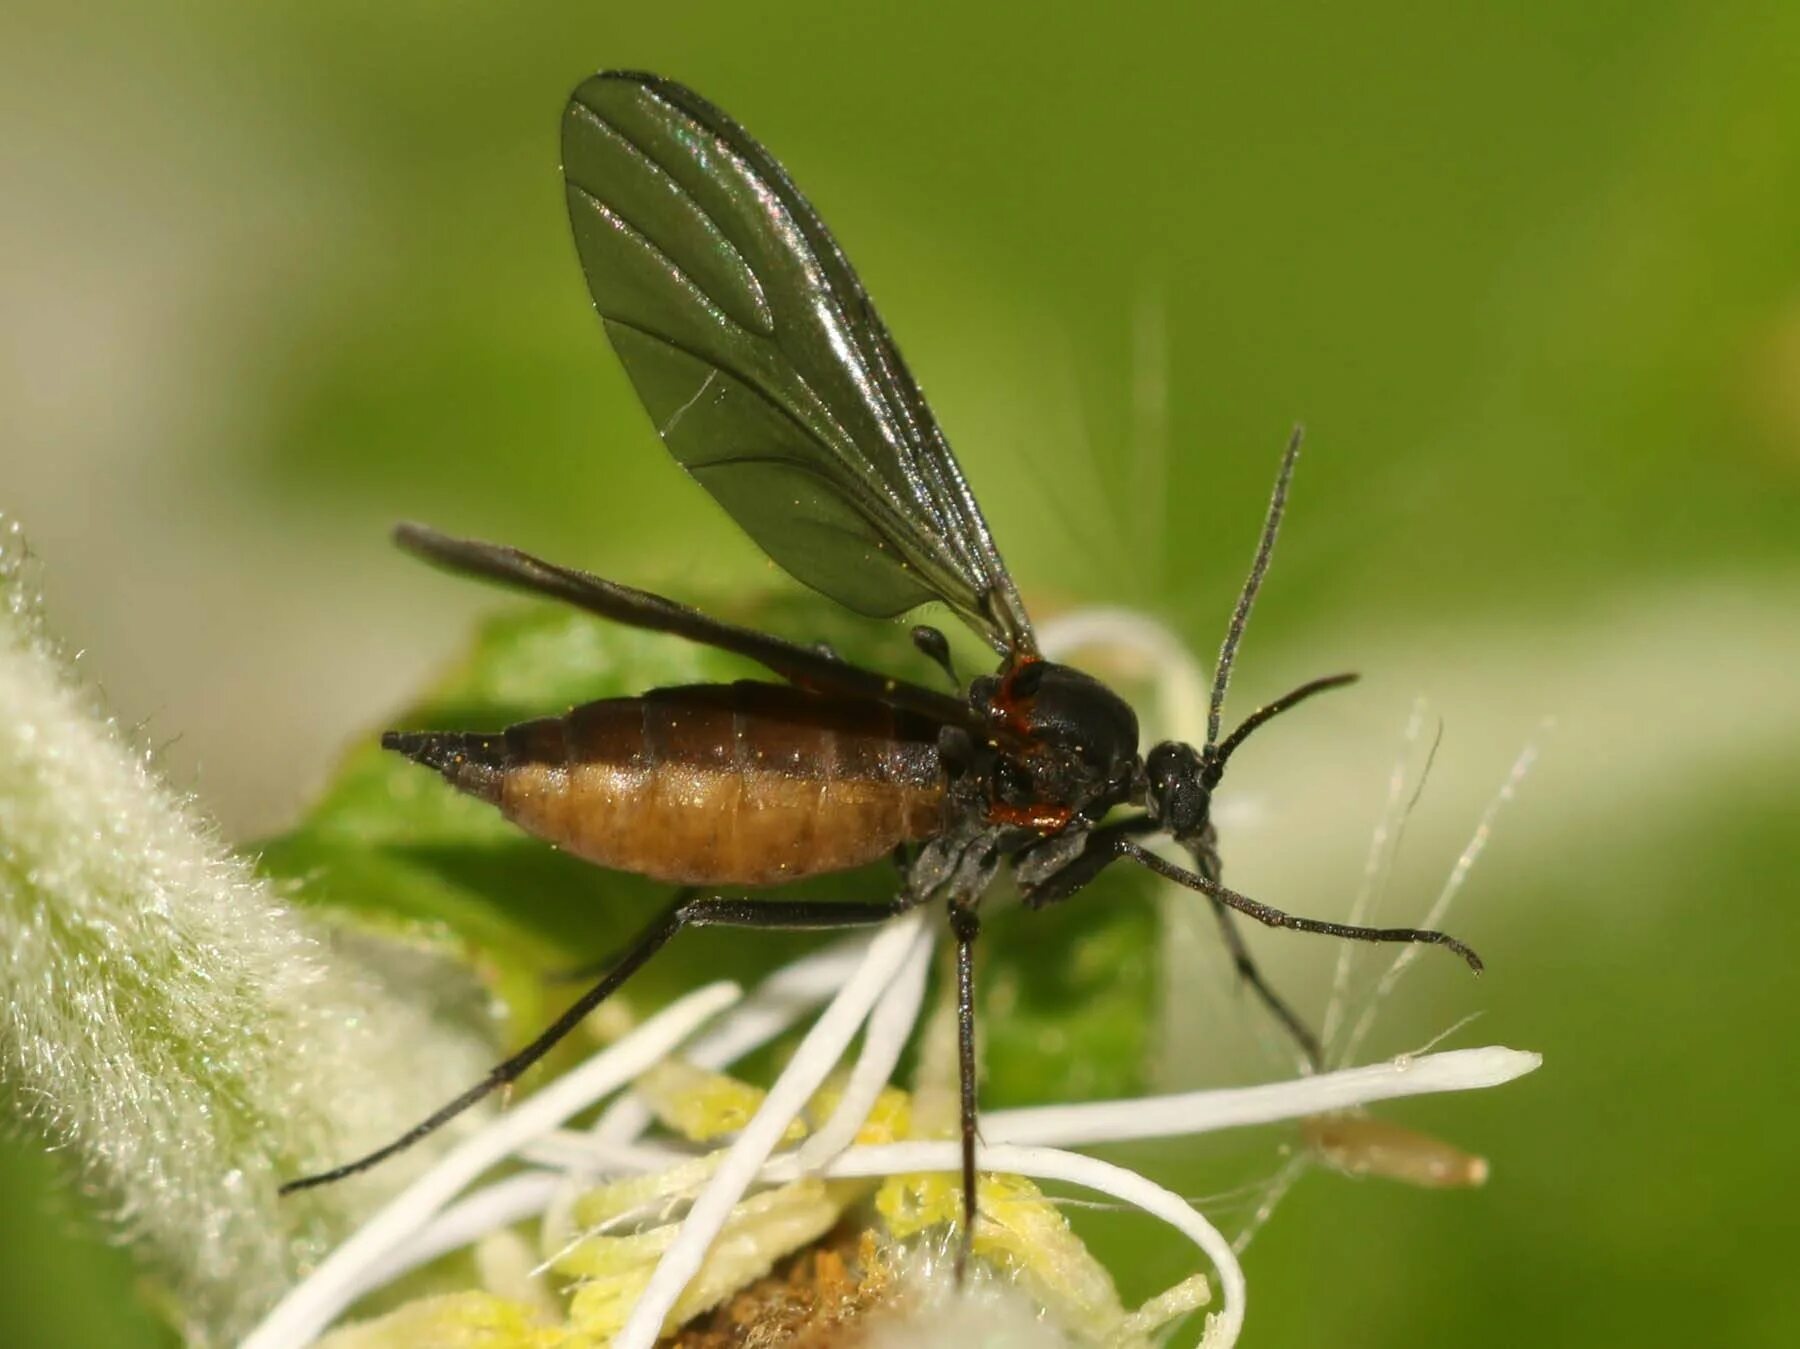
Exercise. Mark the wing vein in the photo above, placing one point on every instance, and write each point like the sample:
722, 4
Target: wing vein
765, 366
650, 163
670, 267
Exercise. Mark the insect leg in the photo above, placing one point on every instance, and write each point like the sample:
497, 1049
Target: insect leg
1107, 845
1103, 849
1273, 917
787, 916
1246, 967
1205, 853
965, 925
593, 969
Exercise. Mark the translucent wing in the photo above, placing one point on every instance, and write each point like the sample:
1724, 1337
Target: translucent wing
765, 368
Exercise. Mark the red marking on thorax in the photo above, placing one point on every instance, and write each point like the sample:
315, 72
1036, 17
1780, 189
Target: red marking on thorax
1014, 711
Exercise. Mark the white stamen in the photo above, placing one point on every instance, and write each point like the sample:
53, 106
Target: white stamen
887, 964
1179, 1115
465, 1222
812, 1062
579, 1151
517, 1197
321, 1298
774, 1006
1198, 1112
890, 1026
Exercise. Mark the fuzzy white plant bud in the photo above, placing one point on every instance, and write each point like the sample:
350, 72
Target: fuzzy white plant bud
177, 1032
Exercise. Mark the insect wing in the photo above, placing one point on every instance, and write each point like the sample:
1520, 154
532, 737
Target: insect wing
806, 667
762, 363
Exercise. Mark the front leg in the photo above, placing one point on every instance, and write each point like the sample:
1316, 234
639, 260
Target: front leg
1045, 878
1105, 846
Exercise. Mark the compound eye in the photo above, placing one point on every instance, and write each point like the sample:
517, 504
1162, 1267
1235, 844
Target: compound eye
1178, 798
1164, 767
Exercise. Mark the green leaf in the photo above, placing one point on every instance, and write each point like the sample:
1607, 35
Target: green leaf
1068, 994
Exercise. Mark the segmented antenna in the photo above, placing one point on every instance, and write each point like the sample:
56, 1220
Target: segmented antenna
1258, 569
1220, 753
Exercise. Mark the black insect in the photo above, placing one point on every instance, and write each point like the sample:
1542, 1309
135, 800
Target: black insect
772, 380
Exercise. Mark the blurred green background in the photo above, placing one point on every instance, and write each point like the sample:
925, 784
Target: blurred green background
274, 276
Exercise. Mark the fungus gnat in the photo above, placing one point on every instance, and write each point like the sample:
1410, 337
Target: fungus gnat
771, 379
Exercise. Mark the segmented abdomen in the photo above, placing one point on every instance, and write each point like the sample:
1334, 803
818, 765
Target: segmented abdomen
745, 784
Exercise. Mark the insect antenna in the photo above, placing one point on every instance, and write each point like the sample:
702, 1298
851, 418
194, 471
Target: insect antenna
1234, 633
1217, 755
1217, 752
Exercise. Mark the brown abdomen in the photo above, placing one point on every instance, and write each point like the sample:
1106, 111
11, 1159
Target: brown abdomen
714, 784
